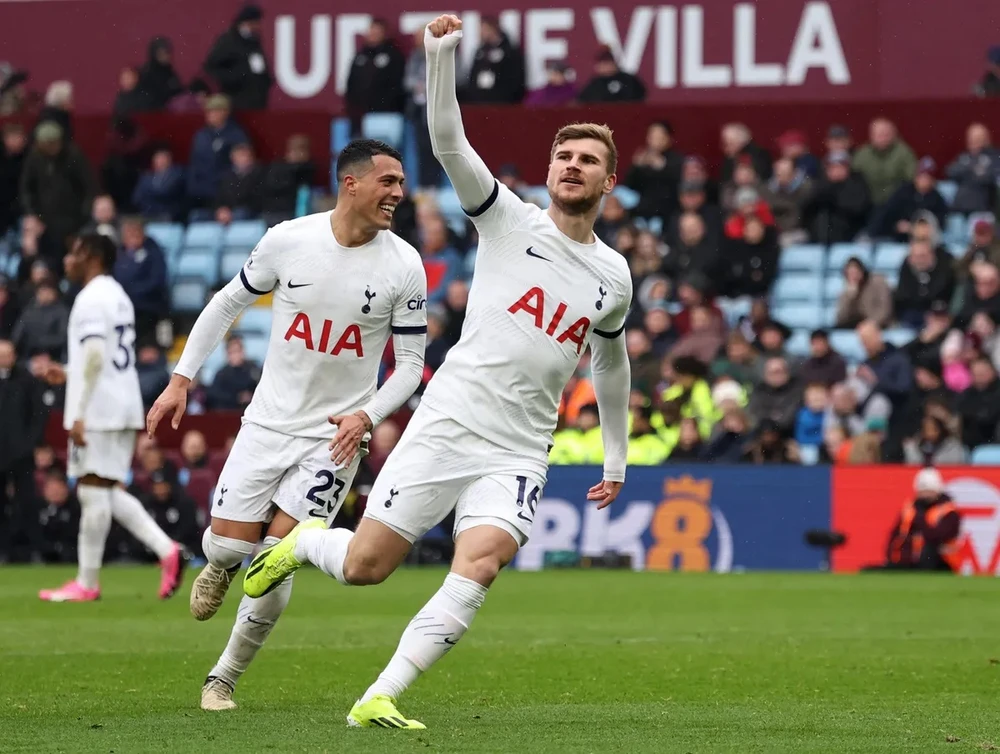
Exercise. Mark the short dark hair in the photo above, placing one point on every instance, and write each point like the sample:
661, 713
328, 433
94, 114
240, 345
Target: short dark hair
362, 151
100, 246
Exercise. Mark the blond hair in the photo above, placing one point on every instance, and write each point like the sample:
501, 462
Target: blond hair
597, 131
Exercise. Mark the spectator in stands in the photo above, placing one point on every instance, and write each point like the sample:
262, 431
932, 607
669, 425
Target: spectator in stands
934, 446
241, 187
613, 218
233, 386
610, 83
984, 247
839, 139
58, 109
953, 362
976, 172
979, 406
989, 85
885, 162
824, 365
160, 192
729, 437
693, 197
750, 262
559, 89
645, 446
59, 519
844, 411
771, 446
984, 337
375, 83
689, 447
655, 173
12, 157
695, 170
928, 389
442, 262
984, 295
925, 276
22, 426
693, 251
839, 206
510, 176
937, 324
104, 218
141, 269
688, 397
794, 146
127, 156
787, 193
43, 323
659, 326
210, 151
705, 338
456, 302
158, 81
809, 419
192, 99
151, 365
778, 397
436, 345
14, 98
886, 370
9, 309
174, 511
644, 363
740, 361
497, 73
744, 177
772, 337
737, 141
893, 219
286, 178
693, 291
57, 187
237, 63
130, 98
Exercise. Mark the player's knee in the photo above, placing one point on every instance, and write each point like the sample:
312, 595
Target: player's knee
365, 569
483, 569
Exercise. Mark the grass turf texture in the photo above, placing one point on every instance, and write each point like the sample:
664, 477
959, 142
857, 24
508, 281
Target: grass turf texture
555, 662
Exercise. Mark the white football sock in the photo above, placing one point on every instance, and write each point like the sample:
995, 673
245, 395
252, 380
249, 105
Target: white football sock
326, 549
224, 552
128, 511
435, 630
95, 523
254, 621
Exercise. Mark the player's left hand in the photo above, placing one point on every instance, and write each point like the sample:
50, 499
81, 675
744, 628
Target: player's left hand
351, 429
604, 493
76, 434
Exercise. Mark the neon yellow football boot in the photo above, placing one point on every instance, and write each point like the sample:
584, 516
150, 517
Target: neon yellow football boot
380, 712
277, 563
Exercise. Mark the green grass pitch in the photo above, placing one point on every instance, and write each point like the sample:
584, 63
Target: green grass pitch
567, 661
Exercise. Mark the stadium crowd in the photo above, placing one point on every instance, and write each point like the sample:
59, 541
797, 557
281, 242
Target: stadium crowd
714, 379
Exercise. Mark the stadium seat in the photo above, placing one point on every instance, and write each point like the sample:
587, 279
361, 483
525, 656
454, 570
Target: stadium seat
847, 344
956, 229
387, 127
898, 336
232, 262
892, 278
188, 294
244, 234
947, 189
629, 198
340, 136
986, 455
170, 236
256, 320
789, 288
215, 361
841, 252
203, 236
799, 316
889, 257
798, 344
803, 258
832, 287
829, 315
957, 249
733, 309
451, 209
203, 263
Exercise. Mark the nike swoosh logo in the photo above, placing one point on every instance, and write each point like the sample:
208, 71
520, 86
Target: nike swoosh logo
449, 641
300, 285
530, 253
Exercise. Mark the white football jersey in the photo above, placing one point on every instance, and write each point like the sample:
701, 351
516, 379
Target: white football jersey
334, 310
536, 299
103, 310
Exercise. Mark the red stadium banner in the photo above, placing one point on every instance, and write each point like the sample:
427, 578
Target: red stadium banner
867, 500
712, 53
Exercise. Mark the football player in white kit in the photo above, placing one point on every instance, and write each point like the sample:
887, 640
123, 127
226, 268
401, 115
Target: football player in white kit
103, 413
342, 283
478, 443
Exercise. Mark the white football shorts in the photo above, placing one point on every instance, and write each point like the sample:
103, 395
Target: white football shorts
439, 466
107, 454
267, 468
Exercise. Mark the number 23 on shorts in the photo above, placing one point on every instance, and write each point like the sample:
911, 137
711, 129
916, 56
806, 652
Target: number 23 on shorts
316, 494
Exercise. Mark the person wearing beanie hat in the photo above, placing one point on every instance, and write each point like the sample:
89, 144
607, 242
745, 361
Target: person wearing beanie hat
894, 219
923, 536
610, 83
839, 206
237, 63
975, 171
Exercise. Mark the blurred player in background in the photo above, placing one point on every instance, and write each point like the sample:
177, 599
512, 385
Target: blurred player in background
103, 412
342, 282
478, 443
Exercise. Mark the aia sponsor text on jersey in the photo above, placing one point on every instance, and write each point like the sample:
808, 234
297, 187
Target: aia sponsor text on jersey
532, 303
348, 340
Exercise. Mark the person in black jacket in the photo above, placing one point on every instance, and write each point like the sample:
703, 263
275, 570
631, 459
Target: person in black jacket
738, 144
610, 83
284, 179
926, 276
12, 155
237, 64
656, 173
174, 511
838, 208
497, 73
979, 405
130, 98
750, 263
887, 369
233, 386
894, 218
22, 426
158, 81
241, 190
375, 84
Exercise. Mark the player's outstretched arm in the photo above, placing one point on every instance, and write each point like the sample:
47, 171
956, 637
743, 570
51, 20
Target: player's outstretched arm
472, 180
612, 382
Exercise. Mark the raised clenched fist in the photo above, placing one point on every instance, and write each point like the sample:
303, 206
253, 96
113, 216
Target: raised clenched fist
444, 25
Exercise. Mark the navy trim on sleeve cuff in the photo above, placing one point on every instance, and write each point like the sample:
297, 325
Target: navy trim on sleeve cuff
409, 330
610, 335
487, 204
246, 284
92, 335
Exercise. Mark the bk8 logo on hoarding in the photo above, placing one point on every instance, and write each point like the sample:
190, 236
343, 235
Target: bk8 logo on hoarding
977, 551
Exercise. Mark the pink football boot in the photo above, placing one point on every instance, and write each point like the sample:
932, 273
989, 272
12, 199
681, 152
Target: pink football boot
172, 572
71, 591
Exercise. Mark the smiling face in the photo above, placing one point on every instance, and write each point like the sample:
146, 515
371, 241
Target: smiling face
376, 190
